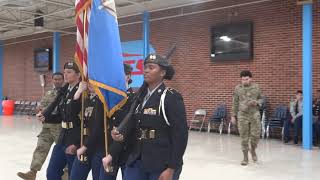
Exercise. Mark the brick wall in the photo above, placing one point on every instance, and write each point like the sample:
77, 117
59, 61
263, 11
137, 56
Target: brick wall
276, 65
277, 52
21, 81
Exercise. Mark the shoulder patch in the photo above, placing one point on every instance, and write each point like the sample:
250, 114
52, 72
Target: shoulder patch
256, 86
238, 86
50, 92
173, 91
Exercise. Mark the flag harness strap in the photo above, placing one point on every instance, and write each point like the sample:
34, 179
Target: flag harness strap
161, 106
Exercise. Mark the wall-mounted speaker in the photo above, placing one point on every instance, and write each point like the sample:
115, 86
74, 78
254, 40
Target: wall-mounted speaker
38, 21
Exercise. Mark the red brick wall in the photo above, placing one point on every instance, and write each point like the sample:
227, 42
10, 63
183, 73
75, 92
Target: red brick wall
21, 81
277, 52
204, 84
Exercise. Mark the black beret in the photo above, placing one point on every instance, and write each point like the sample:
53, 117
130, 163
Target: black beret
156, 59
71, 65
163, 63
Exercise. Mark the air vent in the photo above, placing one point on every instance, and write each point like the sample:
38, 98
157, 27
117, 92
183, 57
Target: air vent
141, 1
125, 4
120, 5
4, 31
38, 21
16, 3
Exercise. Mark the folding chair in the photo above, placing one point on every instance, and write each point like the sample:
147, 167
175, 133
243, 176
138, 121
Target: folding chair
18, 107
277, 119
25, 107
32, 109
198, 117
263, 110
218, 117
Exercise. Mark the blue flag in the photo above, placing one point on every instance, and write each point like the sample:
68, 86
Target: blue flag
105, 61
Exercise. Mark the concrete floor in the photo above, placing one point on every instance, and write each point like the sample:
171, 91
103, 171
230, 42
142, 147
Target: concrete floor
209, 156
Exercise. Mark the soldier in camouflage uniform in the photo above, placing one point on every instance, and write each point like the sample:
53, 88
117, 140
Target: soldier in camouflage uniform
49, 133
245, 108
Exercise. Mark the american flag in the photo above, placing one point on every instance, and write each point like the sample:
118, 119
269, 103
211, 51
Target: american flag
82, 21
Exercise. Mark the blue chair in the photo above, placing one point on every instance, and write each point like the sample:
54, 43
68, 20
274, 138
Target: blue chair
276, 120
218, 117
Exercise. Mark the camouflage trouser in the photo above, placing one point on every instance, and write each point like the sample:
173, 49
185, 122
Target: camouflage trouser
250, 129
48, 135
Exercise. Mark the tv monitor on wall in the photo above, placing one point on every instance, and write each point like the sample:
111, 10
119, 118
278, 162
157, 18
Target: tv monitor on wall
232, 41
42, 59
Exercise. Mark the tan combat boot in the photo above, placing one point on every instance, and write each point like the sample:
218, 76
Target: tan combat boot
65, 175
245, 160
30, 175
254, 155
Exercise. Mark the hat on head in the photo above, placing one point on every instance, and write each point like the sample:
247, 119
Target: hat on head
71, 65
127, 68
163, 62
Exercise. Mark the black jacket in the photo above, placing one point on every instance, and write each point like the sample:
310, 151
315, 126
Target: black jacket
51, 114
69, 110
167, 149
93, 120
120, 150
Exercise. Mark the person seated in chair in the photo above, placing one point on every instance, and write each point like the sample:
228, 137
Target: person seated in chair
316, 118
296, 111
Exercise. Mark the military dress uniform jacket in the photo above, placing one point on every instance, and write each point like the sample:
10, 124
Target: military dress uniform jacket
94, 117
120, 150
160, 144
69, 109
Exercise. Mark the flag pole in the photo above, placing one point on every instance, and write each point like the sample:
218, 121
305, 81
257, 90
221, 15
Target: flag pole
83, 157
109, 168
